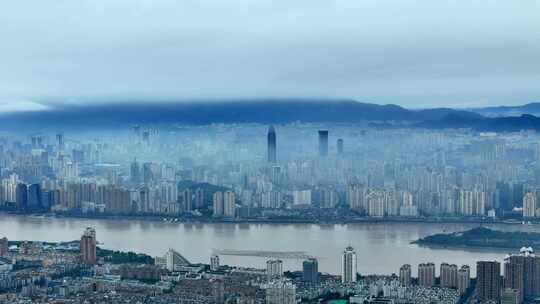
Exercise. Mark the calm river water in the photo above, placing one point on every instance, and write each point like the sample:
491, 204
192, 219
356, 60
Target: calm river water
381, 247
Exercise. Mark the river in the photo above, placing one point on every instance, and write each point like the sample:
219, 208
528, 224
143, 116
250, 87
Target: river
381, 247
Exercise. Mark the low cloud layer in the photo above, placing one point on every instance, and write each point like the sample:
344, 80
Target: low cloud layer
413, 53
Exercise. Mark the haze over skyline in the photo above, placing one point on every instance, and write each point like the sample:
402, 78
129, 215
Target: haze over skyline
415, 54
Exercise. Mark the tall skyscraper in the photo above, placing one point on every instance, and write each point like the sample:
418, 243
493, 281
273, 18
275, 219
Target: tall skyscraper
405, 275
310, 271
340, 146
88, 246
522, 273
529, 205
488, 280
274, 269
214, 262
272, 145
34, 197
147, 173
229, 204
218, 203
60, 141
4, 247
135, 172
513, 274
348, 265
199, 198
464, 279
275, 175
186, 200
448, 276
426, 274
21, 197
323, 142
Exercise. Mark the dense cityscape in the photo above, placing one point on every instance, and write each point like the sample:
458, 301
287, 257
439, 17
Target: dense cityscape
311, 174
269, 152
245, 173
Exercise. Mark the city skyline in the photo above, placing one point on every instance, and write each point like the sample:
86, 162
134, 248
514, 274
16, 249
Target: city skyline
270, 152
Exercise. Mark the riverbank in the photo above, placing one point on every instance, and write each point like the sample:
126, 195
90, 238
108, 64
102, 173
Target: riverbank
205, 220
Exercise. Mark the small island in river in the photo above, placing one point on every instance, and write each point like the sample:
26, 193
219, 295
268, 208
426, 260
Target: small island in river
482, 237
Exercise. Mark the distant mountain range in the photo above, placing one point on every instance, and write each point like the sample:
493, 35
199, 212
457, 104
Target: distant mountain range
267, 111
499, 111
492, 124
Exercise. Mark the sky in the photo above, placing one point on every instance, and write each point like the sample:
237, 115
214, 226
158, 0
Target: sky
416, 54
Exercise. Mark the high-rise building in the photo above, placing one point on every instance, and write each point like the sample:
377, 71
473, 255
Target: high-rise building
135, 172
218, 203
199, 198
529, 205
4, 247
272, 147
488, 280
340, 146
274, 269
310, 271
348, 265
376, 204
513, 275
426, 274
356, 197
522, 272
229, 204
448, 276
34, 197
464, 279
21, 197
214, 262
60, 141
88, 246
275, 175
405, 275
323, 142
280, 292
186, 200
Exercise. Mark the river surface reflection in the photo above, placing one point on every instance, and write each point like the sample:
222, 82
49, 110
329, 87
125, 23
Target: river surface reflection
381, 247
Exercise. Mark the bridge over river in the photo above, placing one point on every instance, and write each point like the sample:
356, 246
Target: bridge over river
265, 254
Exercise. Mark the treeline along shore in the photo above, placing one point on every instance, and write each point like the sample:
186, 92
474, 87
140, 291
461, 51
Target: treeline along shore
482, 237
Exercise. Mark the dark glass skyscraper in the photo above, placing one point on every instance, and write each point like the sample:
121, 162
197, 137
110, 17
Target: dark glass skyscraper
272, 149
323, 142
21, 197
34, 197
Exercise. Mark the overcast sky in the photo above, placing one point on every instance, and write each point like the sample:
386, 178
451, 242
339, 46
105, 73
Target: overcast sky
413, 53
